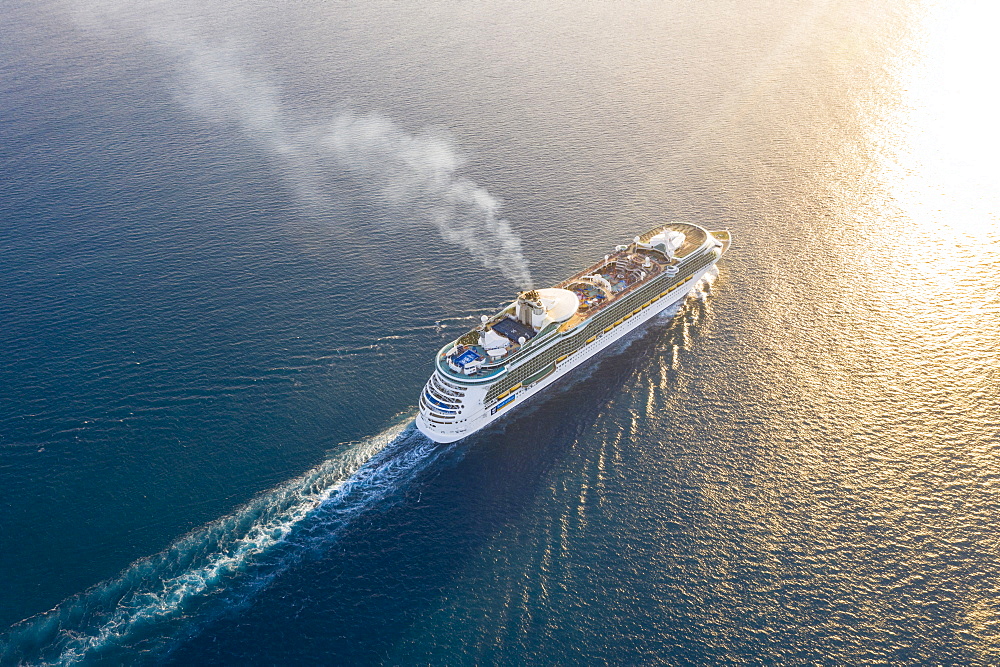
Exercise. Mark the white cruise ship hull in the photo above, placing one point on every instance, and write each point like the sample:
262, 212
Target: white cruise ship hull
475, 413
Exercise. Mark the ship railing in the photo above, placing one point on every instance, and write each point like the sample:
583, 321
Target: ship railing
488, 370
483, 372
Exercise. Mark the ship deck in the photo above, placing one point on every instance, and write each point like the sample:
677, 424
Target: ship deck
694, 237
626, 270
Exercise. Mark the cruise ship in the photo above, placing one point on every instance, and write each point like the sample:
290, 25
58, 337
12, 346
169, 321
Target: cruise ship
544, 334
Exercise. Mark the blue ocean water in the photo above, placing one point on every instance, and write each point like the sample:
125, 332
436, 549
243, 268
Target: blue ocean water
233, 238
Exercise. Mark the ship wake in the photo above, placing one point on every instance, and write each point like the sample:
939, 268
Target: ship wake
161, 600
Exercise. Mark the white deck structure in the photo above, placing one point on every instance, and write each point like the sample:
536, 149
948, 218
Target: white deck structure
546, 333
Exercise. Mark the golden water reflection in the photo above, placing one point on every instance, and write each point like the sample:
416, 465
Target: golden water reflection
947, 171
933, 271
937, 226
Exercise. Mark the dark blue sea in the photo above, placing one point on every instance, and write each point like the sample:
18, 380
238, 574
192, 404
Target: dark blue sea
234, 234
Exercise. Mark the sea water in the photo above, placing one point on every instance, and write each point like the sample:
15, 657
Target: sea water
234, 237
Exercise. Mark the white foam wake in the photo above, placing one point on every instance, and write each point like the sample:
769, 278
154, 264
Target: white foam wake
157, 599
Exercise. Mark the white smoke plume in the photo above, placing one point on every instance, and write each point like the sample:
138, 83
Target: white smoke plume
419, 173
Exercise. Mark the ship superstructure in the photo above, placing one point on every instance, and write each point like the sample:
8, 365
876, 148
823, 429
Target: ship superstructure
546, 333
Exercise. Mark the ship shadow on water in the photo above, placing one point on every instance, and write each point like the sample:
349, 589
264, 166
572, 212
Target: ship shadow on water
356, 597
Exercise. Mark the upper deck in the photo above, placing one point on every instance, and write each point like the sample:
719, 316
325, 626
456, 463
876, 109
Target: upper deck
507, 337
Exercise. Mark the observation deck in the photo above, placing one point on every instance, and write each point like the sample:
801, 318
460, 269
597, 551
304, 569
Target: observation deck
524, 325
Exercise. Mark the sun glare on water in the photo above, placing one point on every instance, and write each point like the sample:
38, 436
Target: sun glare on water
937, 218
947, 171
921, 247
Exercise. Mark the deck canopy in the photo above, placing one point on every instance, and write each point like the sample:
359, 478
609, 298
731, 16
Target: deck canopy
492, 340
667, 241
558, 304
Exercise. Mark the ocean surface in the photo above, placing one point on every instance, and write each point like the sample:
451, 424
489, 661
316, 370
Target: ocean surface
232, 238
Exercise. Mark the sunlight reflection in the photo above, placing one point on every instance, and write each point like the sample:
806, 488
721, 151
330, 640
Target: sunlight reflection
934, 246
939, 171
947, 172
